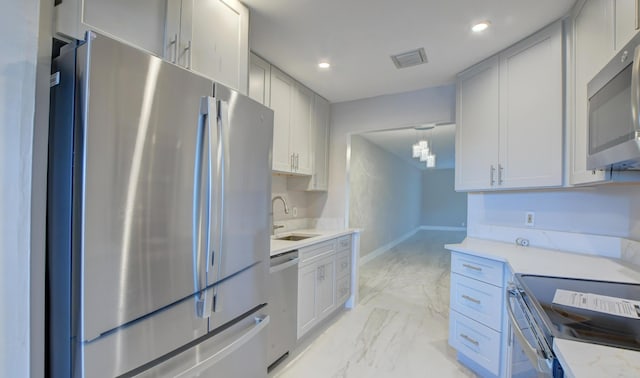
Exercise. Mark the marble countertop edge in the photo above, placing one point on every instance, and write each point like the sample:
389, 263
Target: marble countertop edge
281, 246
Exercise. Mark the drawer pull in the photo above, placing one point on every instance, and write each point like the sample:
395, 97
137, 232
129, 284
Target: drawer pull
471, 299
473, 267
469, 339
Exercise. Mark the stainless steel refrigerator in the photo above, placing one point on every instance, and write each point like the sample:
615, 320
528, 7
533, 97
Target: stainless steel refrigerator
158, 227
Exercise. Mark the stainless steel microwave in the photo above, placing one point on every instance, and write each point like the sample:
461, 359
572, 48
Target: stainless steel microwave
614, 101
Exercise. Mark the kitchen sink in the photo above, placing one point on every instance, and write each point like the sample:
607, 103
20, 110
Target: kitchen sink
295, 237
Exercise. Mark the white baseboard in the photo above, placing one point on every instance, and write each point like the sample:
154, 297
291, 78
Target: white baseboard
386, 248
442, 228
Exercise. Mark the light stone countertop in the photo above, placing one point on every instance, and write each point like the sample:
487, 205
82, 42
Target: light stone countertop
577, 359
280, 246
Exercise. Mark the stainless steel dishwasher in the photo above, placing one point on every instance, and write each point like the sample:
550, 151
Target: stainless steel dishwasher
283, 306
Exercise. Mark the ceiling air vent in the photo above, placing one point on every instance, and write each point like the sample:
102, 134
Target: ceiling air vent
409, 58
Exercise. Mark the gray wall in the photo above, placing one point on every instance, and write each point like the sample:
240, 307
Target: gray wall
441, 204
384, 195
24, 98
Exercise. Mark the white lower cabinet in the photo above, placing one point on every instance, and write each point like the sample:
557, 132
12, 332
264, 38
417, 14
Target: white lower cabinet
324, 281
477, 313
326, 286
479, 343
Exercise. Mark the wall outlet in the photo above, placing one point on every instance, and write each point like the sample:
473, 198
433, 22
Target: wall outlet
530, 219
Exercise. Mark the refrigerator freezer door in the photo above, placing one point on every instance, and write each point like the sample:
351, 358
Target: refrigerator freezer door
239, 351
140, 120
129, 348
247, 132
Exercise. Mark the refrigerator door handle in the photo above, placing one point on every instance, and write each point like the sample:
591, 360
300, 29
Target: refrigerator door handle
208, 109
218, 240
248, 336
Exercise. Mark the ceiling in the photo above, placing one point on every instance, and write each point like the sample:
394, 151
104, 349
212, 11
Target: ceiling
399, 141
358, 36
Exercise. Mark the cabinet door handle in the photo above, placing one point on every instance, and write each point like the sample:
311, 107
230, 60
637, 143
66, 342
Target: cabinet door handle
637, 14
174, 43
492, 173
471, 299
188, 56
500, 169
469, 339
472, 267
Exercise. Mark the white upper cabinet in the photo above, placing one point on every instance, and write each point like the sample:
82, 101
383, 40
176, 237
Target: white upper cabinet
209, 37
319, 180
292, 105
626, 21
301, 130
139, 23
321, 119
510, 117
259, 79
281, 95
477, 131
592, 48
531, 111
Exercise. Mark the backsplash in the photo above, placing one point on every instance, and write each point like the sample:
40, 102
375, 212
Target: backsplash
602, 220
307, 205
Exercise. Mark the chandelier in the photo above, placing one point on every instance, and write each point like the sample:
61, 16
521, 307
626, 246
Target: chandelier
422, 149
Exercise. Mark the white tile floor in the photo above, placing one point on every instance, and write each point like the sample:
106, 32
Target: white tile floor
400, 326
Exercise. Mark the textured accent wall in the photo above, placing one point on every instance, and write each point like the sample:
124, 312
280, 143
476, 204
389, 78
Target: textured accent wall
384, 195
374, 114
441, 204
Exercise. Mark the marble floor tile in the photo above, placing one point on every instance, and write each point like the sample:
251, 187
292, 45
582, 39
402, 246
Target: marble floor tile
400, 326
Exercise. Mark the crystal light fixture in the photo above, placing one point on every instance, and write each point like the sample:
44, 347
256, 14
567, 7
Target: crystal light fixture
421, 150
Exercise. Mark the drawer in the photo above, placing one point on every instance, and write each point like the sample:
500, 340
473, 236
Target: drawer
343, 263
476, 341
343, 289
481, 269
477, 300
310, 253
344, 242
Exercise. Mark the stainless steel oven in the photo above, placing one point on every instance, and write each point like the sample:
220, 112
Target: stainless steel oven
531, 351
542, 308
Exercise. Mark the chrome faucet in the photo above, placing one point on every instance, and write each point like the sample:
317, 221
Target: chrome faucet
274, 227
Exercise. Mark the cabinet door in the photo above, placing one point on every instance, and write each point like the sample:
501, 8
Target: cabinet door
531, 111
322, 113
140, 23
307, 300
592, 41
626, 21
219, 42
478, 126
259, 79
301, 130
281, 99
326, 286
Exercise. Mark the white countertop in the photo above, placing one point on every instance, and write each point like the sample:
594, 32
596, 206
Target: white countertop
578, 359
280, 246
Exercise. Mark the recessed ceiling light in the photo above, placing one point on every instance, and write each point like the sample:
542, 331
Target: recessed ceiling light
481, 26
324, 65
